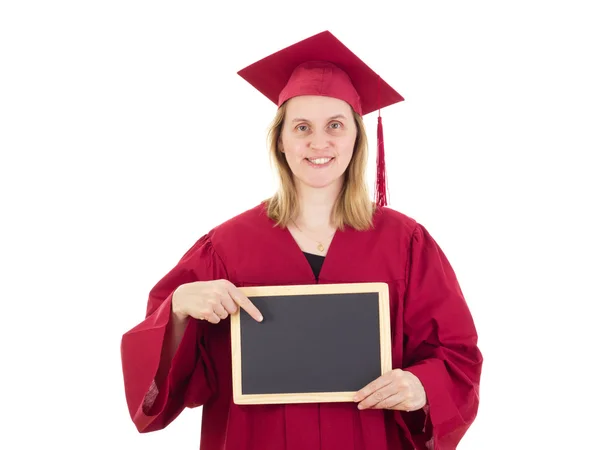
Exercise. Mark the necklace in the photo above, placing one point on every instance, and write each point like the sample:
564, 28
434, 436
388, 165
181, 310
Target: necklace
320, 246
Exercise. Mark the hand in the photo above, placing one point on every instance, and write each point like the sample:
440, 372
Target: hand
398, 390
211, 300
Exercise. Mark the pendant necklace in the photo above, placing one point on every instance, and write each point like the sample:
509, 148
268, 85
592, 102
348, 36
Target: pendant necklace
320, 246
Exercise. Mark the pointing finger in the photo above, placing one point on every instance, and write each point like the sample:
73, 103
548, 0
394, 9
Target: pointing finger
246, 304
229, 304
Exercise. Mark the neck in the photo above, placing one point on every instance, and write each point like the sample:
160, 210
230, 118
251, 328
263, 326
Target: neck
316, 205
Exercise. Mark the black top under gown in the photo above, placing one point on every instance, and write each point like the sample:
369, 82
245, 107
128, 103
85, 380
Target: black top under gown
316, 262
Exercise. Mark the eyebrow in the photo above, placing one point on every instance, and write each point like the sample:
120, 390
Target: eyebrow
337, 116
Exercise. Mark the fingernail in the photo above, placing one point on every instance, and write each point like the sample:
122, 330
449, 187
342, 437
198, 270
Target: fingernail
260, 318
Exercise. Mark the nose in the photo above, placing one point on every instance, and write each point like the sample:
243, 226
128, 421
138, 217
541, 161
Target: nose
319, 141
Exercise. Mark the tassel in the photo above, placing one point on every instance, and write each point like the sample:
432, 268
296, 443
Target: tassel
381, 185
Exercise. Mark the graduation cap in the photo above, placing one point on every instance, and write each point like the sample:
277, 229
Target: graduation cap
322, 65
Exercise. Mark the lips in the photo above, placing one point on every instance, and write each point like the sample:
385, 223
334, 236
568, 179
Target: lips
319, 162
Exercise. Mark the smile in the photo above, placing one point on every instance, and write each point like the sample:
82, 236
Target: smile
319, 161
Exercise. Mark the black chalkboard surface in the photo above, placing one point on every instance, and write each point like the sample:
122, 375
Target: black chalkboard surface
317, 343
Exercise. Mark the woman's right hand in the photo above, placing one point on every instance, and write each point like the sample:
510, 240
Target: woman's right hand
211, 300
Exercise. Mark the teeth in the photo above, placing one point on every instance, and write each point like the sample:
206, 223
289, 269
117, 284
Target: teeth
320, 160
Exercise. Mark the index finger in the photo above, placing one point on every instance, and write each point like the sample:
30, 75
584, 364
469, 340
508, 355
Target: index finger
245, 303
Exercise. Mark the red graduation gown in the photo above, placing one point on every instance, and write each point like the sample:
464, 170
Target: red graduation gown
433, 336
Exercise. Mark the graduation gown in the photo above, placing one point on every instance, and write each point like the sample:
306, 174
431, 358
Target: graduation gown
433, 336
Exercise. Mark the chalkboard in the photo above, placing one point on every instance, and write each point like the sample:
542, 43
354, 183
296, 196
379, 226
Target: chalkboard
316, 343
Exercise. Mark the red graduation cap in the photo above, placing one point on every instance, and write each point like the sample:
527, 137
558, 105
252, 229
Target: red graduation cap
322, 65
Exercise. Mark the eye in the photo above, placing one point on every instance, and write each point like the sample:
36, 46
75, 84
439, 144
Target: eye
302, 128
336, 125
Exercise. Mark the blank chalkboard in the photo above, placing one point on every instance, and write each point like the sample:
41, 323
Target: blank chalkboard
317, 343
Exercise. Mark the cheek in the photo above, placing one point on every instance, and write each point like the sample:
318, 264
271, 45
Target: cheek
289, 157
346, 148
294, 150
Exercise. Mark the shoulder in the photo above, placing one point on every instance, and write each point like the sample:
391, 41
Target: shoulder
231, 234
407, 230
246, 223
228, 238
388, 220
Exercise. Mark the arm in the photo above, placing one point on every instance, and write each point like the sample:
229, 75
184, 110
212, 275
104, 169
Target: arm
165, 365
440, 347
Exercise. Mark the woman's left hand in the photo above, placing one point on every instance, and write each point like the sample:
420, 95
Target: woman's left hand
398, 390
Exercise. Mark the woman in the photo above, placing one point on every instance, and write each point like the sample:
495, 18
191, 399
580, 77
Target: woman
321, 227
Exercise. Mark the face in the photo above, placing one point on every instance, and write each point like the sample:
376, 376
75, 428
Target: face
317, 137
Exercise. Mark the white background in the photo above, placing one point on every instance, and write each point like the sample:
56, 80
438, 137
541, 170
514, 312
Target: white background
126, 134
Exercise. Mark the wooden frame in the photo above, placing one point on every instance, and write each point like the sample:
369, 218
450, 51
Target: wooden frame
384, 329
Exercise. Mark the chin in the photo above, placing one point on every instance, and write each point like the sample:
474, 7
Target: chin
319, 183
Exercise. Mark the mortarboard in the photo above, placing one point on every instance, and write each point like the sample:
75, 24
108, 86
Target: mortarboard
322, 65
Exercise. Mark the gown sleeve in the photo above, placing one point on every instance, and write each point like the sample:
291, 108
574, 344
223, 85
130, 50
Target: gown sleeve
440, 347
190, 380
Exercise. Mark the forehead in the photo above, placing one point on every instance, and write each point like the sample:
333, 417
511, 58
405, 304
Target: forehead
315, 107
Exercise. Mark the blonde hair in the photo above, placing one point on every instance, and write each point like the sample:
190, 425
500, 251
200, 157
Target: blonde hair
353, 206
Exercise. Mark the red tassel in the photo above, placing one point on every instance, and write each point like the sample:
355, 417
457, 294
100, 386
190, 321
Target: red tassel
381, 187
